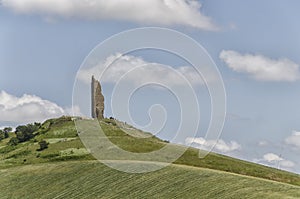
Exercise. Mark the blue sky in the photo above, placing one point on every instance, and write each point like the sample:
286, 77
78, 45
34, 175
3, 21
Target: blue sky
255, 45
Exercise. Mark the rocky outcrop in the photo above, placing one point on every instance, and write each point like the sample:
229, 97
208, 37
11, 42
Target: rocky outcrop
97, 99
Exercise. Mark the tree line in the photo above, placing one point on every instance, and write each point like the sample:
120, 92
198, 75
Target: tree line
23, 133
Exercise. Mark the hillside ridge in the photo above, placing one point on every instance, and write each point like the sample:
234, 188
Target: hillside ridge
65, 145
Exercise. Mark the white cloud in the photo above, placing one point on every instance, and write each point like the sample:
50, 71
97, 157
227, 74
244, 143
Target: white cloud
138, 71
294, 139
28, 108
271, 157
156, 12
274, 160
219, 146
260, 67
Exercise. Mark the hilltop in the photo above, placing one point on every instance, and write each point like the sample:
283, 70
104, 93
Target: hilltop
65, 168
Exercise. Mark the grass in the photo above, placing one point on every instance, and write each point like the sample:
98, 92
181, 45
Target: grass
67, 169
91, 179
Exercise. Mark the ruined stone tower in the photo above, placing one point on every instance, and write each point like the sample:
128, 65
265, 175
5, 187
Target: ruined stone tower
97, 100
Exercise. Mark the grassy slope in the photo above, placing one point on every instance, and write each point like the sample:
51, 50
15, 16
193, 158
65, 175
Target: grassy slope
87, 177
90, 179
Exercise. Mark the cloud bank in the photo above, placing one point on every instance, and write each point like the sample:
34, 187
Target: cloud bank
220, 146
155, 12
138, 71
28, 108
260, 67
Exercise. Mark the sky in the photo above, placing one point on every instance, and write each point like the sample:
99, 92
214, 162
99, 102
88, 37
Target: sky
254, 45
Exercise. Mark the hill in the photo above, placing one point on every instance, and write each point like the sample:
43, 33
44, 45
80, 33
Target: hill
67, 169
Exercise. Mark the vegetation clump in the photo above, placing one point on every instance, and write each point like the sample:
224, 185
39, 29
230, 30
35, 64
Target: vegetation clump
5, 133
13, 141
24, 133
43, 145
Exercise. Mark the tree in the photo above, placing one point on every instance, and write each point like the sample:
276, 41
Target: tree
7, 130
25, 132
4, 133
22, 136
43, 145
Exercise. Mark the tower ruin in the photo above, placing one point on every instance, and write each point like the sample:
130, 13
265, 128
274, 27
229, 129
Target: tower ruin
97, 99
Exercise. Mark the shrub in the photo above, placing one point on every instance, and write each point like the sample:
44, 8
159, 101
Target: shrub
13, 141
43, 145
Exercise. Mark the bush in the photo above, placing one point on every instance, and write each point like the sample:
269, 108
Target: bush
13, 141
43, 145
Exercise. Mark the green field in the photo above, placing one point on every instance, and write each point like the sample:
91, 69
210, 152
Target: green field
90, 179
66, 169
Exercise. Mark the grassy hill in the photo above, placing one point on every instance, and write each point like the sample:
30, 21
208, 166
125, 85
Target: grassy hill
67, 170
